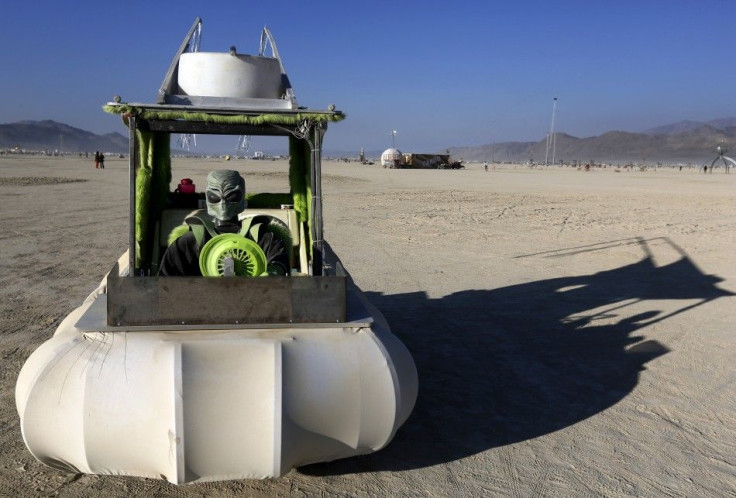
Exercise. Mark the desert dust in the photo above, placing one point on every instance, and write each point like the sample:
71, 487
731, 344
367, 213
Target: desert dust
573, 331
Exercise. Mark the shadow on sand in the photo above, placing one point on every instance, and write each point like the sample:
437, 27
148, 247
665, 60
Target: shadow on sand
506, 365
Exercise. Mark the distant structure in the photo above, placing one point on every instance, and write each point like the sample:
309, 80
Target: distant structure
391, 158
243, 144
727, 161
186, 140
430, 161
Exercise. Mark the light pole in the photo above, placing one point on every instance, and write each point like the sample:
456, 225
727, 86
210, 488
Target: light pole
554, 135
551, 137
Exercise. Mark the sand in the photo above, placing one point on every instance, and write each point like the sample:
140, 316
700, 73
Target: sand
573, 331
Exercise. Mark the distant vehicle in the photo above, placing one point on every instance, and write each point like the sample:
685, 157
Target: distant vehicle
429, 161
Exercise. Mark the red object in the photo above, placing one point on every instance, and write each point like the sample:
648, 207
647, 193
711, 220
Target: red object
186, 186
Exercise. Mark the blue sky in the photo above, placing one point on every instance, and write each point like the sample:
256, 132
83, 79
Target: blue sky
442, 74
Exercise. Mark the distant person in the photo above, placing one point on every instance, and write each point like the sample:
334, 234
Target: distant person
705, 168
485, 166
102, 160
97, 159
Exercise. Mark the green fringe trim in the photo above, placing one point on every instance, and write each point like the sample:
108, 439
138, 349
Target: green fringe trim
299, 176
177, 232
259, 119
300, 166
153, 177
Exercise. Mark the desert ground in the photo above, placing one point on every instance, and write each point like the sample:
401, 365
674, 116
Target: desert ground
573, 331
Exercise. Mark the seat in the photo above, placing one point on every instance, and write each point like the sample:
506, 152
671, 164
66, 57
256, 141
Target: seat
289, 217
172, 218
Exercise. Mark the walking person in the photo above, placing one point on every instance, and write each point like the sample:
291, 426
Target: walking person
97, 159
485, 166
102, 160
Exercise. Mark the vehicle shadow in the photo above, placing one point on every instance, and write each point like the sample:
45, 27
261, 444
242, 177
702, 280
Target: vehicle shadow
506, 365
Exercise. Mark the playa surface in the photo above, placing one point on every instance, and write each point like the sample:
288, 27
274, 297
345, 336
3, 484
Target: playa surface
573, 331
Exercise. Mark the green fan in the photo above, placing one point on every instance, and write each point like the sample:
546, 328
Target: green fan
248, 259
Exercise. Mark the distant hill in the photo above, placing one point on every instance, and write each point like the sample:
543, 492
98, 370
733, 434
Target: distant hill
684, 126
723, 123
674, 128
687, 142
51, 135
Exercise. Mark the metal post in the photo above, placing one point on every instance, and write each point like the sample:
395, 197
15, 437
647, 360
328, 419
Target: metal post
553, 140
131, 198
194, 32
551, 136
316, 177
554, 136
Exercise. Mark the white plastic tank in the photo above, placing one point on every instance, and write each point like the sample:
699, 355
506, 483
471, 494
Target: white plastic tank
221, 74
390, 157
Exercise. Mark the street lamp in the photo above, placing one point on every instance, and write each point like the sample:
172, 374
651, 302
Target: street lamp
551, 137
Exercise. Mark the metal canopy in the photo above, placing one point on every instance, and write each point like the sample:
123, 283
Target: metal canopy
311, 131
231, 110
174, 126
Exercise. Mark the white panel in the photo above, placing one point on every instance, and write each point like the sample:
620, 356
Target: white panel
51, 420
231, 392
322, 384
130, 407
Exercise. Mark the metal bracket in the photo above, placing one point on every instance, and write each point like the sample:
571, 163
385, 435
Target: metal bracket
267, 39
191, 42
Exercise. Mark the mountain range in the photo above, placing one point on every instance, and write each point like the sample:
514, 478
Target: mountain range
51, 135
684, 141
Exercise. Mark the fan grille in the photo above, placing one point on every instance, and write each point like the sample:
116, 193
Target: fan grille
242, 262
248, 258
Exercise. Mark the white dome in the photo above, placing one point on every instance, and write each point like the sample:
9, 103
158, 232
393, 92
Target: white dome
389, 156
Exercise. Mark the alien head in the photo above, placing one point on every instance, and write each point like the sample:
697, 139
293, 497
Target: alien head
225, 194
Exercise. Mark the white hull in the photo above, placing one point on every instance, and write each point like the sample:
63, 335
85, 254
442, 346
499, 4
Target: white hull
198, 405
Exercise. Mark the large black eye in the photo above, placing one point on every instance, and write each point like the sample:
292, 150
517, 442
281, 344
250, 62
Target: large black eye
234, 196
212, 197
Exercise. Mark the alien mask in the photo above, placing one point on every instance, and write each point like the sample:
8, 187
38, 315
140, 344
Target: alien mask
225, 194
